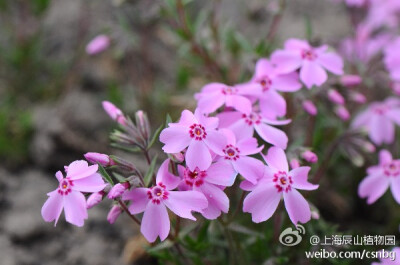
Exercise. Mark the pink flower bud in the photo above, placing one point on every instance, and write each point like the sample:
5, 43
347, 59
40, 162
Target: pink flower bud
310, 107
142, 123
350, 80
335, 97
95, 158
342, 113
114, 112
369, 147
94, 199
98, 44
309, 156
177, 157
294, 163
118, 190
314, 215
113, 214
358, 97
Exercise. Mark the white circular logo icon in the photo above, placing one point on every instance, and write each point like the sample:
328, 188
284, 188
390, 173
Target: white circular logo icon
290, 237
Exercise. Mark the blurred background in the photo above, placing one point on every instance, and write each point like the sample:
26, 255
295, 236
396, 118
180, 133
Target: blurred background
51, 91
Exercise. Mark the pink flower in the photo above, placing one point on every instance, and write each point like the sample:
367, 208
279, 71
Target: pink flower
209, 182
335, 97
102, 159
94, 199
236, 155
309, 156
114, 112
396, 88
155, 200
380, 178
350, 80
118, 190
98, 44
358, 97
80, 178
357, 3
196, 132
279, 182
392, 59
342, 112
378, 120
243, 127
270, 82
312, 61
309, 107
113, 214
215, 95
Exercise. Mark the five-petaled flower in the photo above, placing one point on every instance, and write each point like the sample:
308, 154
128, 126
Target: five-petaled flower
68, 196
276, 183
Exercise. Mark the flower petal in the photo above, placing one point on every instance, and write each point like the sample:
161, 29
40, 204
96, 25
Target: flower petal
187, 119
381, 130
297, 207
332, 62
215, 141
300, 181
385, 157
395, 188
311, 73
249, 167
182, 203
92, 183
272, 135
217, 201
286, 61
373, 187
198, 155
262, 202
240, 103
175, 138
155, 222
287, 82
75, 208
210, 102
139, 199
164, 176
80, 169
272, 105
52, 208
249, 146
276, 159
221, 173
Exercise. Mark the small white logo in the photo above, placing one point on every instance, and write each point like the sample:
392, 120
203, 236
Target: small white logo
290, 237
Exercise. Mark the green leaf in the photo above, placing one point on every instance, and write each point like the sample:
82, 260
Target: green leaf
119, 177
308, 26
150, 172
105, 175
168, 120
155, 136
126, 148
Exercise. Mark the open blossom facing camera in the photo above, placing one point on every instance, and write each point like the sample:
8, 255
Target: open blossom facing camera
68, 196
380, 177
312, 61
155, 200
279, 182
378, 119
198, 133
270, 83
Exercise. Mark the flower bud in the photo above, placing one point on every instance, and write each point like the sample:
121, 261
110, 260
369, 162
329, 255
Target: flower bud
94, 199
118, 190
309, 156
358, 97
335, 97
113, 214
314, 215
142, 122
309, 106
98, 44
114, 112
177, 157
294, 163
350, 80
123, 164
95, 158
342, 113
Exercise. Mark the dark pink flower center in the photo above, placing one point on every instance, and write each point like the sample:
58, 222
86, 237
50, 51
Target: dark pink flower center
309, 54
229, 90
198, 132
252, 118
392, 169
195, 177
231, 152
283, 182
266, 83
158, 193
65, 186
380, 110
